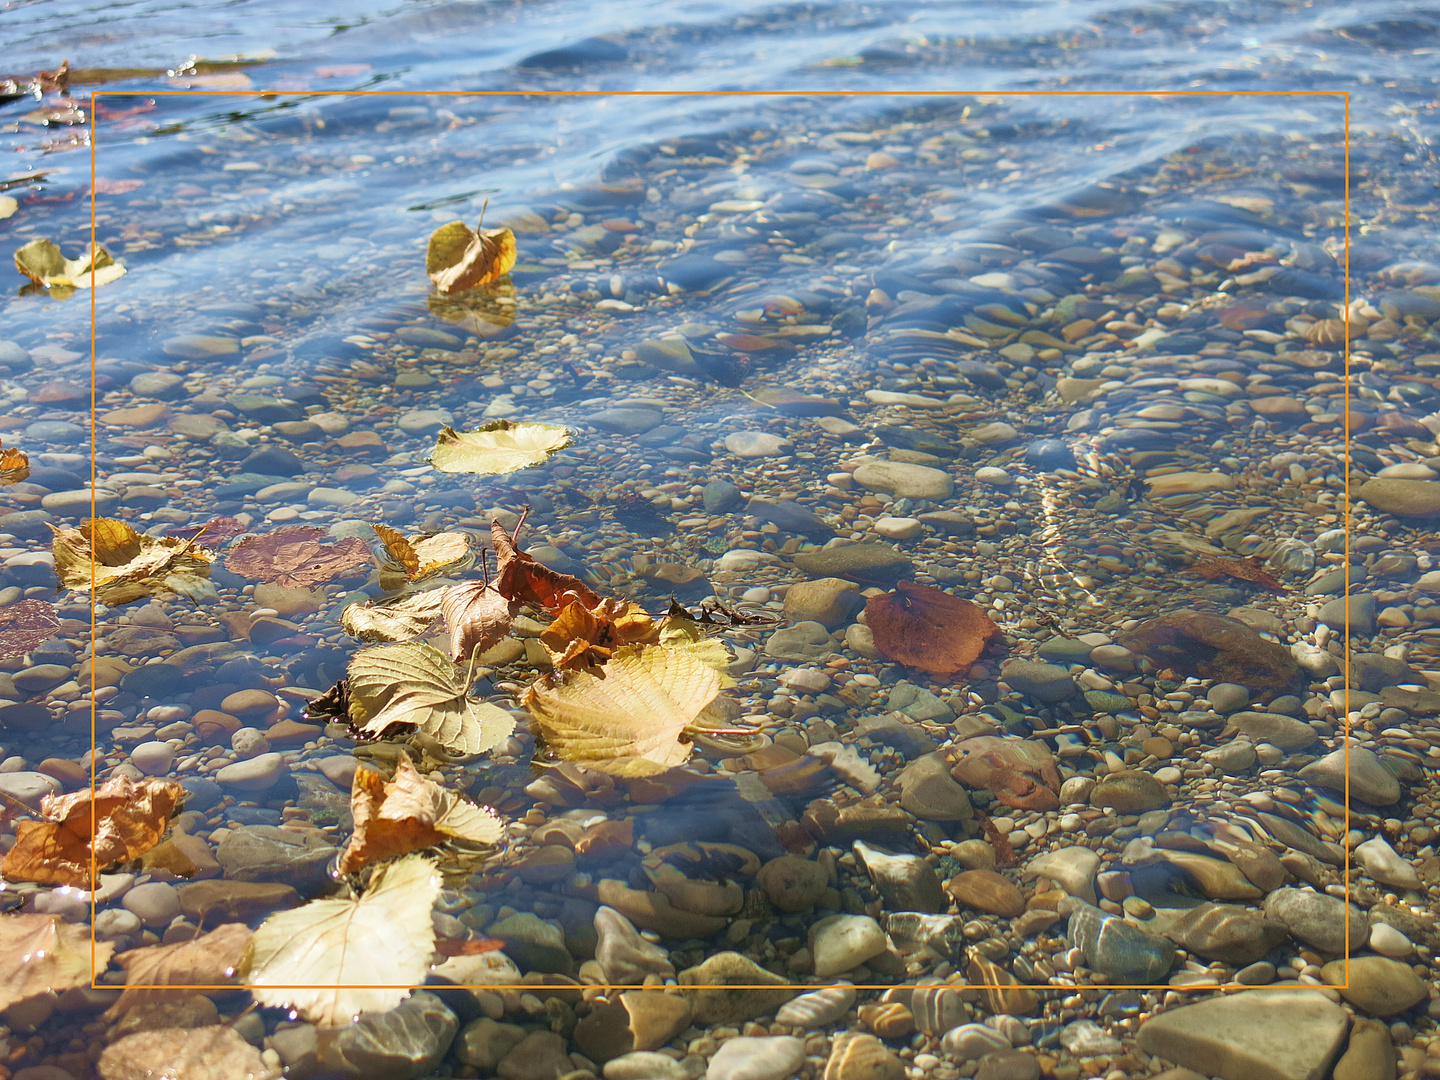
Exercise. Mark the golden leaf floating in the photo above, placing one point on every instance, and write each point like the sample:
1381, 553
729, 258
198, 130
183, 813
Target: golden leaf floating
458, 257
127, 565
484, 310
926, 628
293, 556
424, 556
503, 446
630, 717
25, 624
477, 616
521, 577
8, 205
151, 972
42, 262
1250, 569
217, 1052
334, 959
14, 465
401, 618
128, 818
41, 953
408, 813
582, 637
417, 685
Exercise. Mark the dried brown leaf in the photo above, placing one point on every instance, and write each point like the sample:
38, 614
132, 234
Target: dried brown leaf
293, 556
928, 629
408, 813
128, 818
41, 953
1250, 569
166, 972
476, 616
583, 637
25, 624
520, 577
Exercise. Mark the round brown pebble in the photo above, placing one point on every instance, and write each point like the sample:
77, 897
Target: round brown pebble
248, 704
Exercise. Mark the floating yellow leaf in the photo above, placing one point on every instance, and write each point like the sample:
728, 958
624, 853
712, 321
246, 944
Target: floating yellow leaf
418, 685
680, 632
499, 447
425, 556
629, 718
458, 257
127, 565
402, 618
42, 262
408, 813
334, 959
8, 206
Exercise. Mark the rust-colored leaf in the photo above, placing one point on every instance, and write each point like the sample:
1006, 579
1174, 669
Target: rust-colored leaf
128, 818
1004, 850
1250, 569
468, 947
520, 577
293, 556
24, 625
928, 629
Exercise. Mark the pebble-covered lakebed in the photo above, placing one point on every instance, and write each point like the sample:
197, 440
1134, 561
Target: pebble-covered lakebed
803, 362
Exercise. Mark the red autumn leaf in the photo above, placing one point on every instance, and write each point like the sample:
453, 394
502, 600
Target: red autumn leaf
293, 556
928, 629
1250, 569
520, 577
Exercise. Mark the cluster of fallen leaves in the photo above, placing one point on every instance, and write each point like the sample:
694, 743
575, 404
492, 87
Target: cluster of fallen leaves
626, 690
330, 959
119, 565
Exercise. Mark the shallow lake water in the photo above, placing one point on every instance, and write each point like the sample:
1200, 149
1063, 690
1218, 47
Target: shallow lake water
1107, 366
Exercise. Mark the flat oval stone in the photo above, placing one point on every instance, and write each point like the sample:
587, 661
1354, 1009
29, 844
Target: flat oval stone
818, 1008
988, 891
1114, 947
